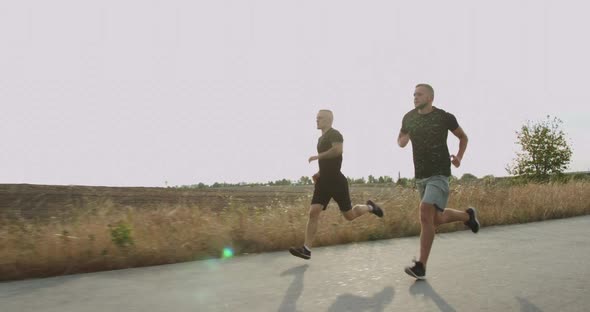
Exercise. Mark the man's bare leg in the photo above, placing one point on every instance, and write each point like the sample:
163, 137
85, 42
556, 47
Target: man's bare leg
359, 210
355, 212
312, 224
450, 215
310, 230
427, 213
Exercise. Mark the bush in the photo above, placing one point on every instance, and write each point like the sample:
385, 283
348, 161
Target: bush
121, 235
468, 177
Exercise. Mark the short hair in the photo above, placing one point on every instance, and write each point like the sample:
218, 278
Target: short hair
428, 87
329, 112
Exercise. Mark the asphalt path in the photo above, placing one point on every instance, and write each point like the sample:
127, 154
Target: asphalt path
541, 266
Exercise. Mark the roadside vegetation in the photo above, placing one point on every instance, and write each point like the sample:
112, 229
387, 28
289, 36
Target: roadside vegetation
102, 234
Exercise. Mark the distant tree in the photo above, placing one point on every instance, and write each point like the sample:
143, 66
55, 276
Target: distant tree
403, 182
282, 182
545, 150
356, 181
386, 179
468, 177
488, 179
371, 179
305, 180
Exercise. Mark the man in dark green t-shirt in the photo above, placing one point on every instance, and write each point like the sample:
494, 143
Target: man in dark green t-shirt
427, 128
329, 183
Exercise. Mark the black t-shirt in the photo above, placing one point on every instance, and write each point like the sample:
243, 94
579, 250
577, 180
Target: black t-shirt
428, 134
329, 168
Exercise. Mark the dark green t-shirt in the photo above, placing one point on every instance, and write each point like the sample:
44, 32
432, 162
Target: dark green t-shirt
329, 168
428, 134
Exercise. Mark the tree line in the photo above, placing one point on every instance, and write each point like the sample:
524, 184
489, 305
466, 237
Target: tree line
545, 155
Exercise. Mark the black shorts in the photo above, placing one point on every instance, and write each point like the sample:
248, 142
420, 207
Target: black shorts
334, 188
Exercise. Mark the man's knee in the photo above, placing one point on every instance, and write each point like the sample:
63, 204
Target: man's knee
427, 213
315, 210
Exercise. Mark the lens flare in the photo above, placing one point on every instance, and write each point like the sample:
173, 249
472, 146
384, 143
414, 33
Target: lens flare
227, 253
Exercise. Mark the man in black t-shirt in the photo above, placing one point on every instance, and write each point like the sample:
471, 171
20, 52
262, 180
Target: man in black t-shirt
427, 127
329, 183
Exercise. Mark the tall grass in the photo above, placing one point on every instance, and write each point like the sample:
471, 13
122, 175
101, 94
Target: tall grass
104, 236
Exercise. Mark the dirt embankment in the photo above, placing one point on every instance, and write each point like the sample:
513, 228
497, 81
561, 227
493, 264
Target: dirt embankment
44, 201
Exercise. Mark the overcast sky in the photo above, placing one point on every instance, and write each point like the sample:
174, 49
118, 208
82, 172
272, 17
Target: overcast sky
137, 93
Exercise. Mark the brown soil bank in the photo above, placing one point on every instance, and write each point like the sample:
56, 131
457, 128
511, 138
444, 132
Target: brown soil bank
43, 201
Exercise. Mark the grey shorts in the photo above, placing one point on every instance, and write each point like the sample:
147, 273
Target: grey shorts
434, 190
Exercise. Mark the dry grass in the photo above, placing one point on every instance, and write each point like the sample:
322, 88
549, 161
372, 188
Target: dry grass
87, 241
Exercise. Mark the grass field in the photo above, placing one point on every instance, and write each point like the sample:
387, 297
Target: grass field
55, 230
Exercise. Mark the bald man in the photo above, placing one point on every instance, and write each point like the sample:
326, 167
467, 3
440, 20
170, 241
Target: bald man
329, 183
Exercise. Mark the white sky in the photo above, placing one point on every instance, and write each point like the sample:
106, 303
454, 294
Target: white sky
136, 93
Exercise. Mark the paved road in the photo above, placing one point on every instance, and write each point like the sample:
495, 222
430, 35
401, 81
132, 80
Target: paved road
534, 267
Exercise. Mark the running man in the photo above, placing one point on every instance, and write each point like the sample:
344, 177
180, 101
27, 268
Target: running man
329, 183
427, 127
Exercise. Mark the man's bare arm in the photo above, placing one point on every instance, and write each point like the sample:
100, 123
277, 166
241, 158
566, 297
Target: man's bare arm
335, 151
463, 139
403, 139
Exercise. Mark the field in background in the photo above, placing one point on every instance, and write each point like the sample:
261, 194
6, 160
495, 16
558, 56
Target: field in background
54, 230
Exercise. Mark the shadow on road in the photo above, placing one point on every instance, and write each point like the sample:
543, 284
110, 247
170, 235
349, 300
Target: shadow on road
423, 288
527, 306
350, 302
289, 303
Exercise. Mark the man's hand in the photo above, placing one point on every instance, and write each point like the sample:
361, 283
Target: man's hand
456, 161
312, 158
403, 139
315, 178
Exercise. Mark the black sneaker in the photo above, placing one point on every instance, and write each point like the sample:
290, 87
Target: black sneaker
300, 252
472, 223
376, 209
417, 270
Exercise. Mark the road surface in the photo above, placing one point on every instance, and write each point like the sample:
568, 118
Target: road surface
532, 267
